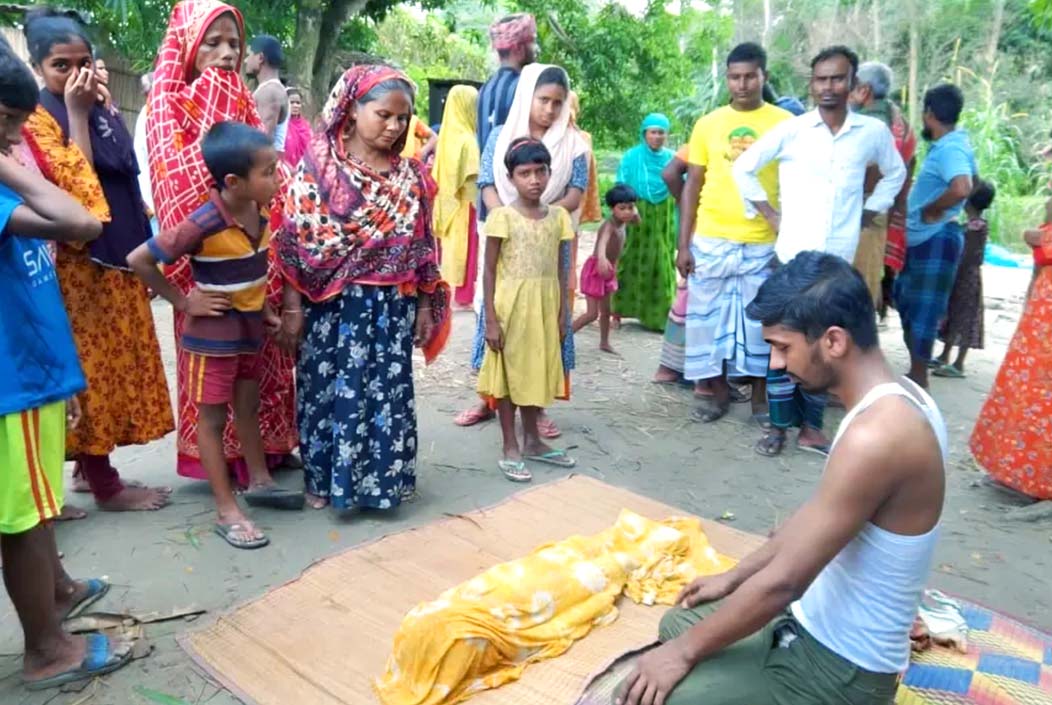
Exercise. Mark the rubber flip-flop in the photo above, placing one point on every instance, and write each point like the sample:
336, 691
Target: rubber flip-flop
547, 428
472, 416
228, 531
709, 412
99, 660
515, 470
558, 458
274, 497
822, 450
948, 371
771, 445
97, 589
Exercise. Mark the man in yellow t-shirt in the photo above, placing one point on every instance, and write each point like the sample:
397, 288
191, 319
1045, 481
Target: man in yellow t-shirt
724, 255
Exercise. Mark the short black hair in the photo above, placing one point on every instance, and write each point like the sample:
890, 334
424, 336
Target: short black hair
18, 88
621, 193
526, 150
834, 51
982, 195
945, 101
270, 48
231, 148
45, 27
814, 292
553, 75
748, 52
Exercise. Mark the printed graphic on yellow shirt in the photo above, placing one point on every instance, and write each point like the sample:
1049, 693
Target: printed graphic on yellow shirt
739, 140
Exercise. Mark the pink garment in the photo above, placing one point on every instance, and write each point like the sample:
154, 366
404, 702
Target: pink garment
593, 284
297, 140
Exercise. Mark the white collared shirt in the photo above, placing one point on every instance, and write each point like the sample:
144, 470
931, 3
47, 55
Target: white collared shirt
820, 178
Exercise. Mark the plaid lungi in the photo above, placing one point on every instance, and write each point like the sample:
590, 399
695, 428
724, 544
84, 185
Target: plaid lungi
922, 289
727, 275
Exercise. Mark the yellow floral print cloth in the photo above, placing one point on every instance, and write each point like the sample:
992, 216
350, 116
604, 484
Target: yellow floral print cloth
485, 632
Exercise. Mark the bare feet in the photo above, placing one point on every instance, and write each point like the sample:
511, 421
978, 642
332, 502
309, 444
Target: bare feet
316, 502
71, 513
664, 375
813, 439
608, 348
137, 499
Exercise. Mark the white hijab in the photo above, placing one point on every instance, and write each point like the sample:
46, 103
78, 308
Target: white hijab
563, 142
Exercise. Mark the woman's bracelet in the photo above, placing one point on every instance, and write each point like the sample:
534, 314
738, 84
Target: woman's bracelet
292, 310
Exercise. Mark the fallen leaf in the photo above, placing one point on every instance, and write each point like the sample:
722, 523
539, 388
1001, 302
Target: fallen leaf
157, 696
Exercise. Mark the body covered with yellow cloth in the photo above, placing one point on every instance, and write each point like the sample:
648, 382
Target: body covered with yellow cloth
483, 633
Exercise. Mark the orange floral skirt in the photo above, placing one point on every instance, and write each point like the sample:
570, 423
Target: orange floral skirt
1012, 439
126, 402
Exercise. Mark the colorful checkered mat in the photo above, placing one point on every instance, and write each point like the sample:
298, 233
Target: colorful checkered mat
1008, 663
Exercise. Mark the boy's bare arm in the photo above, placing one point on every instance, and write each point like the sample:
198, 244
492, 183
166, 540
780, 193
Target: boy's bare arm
47, 212
197, 303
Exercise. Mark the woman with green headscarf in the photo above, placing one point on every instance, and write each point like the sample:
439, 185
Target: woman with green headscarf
646, 275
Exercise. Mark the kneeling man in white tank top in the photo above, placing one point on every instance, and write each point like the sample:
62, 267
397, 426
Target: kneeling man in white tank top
821, 613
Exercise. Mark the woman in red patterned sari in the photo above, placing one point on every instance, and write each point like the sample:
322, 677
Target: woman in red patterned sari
197, 84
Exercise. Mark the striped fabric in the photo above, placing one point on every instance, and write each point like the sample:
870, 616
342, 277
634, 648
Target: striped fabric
32, 449
791, 406
922, 289
673, 350
719, 336
223, 258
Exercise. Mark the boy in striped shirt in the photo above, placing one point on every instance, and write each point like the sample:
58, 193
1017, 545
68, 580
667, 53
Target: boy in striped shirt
227, 241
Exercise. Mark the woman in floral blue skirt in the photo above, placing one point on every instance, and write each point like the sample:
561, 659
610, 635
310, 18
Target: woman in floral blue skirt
362, 288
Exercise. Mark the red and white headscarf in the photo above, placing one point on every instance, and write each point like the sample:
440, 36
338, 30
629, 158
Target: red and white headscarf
513, 31
182, 108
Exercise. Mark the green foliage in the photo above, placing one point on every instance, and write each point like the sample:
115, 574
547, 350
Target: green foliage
427, 48
623, 66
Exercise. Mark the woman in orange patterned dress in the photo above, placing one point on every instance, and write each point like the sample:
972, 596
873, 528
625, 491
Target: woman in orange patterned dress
196, 84
1011, 440
86, 150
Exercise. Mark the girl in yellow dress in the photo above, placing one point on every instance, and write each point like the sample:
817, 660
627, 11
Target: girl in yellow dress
525, 299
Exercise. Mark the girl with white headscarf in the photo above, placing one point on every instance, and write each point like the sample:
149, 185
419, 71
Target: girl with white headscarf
539, 110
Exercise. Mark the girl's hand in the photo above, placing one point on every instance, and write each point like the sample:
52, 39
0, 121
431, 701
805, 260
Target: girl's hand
290, 330
81, 91
425, 326
494, 335
606, 270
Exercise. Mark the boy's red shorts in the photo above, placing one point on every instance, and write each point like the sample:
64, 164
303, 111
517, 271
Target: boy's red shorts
210, 379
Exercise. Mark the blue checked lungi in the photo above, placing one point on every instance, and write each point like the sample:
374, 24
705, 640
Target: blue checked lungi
719, 336
922, 289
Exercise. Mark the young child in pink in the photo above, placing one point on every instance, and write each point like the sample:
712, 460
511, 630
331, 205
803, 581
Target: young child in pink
599, 273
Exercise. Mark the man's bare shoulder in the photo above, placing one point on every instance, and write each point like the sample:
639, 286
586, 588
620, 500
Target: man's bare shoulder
892, 433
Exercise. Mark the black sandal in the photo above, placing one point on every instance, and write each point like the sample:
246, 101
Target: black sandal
771, 445
710, 411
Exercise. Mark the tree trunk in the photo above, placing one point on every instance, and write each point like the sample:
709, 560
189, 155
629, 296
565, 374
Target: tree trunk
914, 99
766, 22
996, 27
318, 24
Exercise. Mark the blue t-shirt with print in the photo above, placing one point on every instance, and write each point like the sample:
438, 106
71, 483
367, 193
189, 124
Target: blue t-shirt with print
38, 358
949, 157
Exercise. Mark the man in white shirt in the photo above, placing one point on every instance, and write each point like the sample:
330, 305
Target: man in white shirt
822, 157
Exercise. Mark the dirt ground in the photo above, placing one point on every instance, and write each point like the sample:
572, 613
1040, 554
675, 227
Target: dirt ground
624, 431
